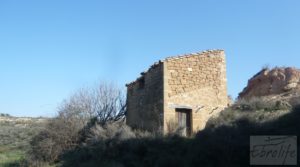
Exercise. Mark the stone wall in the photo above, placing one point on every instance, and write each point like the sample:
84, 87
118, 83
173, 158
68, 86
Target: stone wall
196, 81
145, 100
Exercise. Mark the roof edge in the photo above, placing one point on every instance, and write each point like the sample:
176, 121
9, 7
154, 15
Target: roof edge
156, 64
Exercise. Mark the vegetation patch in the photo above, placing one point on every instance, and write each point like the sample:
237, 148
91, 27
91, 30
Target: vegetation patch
92, 141
15, 135
225, 144
89, 131
11, 156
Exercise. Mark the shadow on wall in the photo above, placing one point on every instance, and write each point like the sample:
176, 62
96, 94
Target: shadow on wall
220, 146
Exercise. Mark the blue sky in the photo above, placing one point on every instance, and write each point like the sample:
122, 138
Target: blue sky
48, 49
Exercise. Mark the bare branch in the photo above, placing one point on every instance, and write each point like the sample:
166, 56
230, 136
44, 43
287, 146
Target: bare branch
105, 101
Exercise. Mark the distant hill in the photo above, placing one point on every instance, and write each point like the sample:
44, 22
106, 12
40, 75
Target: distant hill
4, 115
18, 130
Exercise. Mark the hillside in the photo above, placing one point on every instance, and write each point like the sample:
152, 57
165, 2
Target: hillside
224, 142
15, 135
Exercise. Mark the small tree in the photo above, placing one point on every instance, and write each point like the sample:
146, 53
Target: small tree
103, 103
108, 103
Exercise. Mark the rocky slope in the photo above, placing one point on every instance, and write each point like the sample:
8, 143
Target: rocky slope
277, 83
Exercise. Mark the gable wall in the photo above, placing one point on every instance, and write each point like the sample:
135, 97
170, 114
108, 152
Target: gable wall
198, 82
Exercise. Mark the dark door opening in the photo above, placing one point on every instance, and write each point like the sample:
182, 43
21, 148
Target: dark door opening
184, 120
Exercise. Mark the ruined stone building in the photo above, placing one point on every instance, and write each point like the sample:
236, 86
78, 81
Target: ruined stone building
180, 91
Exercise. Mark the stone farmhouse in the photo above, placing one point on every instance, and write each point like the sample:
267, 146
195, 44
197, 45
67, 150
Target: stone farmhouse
182, 91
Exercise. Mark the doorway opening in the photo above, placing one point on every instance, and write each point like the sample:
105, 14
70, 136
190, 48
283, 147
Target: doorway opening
184, 120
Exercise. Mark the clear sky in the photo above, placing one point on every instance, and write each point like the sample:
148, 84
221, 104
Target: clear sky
50, 48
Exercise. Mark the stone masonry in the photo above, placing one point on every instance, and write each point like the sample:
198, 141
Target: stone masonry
193, 84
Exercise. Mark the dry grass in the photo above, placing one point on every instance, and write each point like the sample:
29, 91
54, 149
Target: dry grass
15, 134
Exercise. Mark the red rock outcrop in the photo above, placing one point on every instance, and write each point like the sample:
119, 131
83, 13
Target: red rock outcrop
283, 82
